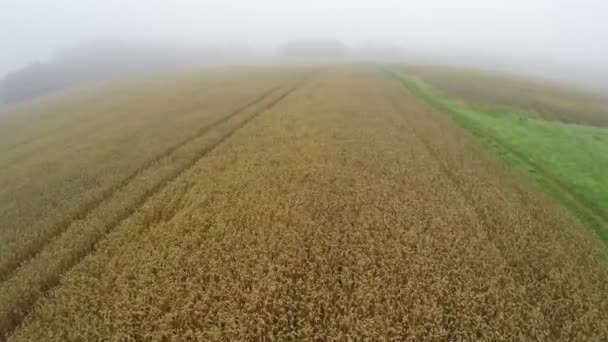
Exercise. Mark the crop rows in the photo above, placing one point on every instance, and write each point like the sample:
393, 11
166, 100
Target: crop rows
347, 210
43, 271
72, 156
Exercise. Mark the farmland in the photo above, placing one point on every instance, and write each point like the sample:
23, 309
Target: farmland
498, 93
567, 156
280, 204
80, 151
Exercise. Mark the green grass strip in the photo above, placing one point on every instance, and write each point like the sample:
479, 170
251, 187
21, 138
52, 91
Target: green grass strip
569, 161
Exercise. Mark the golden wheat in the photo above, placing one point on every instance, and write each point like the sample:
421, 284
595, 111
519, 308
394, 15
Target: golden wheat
349, 210
75, 154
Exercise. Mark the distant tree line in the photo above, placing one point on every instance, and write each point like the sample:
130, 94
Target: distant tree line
103, 60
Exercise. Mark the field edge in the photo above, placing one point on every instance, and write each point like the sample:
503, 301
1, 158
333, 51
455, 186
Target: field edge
559, 192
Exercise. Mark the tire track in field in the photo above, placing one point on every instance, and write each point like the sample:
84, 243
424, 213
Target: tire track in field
32, 280
483, 217
89, 128
183, 109
7, 267
325, 217
443, 167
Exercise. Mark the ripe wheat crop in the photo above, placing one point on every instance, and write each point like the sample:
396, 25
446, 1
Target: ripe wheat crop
347, 210
34, 257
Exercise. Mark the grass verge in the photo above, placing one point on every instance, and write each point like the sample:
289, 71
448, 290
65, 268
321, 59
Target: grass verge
569, 161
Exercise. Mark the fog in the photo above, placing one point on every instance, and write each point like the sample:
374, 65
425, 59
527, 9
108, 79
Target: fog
563, 39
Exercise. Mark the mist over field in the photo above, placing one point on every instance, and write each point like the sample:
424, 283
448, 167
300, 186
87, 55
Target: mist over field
319, 170
51, 45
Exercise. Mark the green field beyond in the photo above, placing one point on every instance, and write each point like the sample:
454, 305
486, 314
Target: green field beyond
569, 161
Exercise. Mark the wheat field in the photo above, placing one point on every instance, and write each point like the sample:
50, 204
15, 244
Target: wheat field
333, 205
72, 156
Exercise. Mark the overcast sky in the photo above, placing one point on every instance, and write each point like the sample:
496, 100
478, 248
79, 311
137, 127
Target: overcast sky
568, 31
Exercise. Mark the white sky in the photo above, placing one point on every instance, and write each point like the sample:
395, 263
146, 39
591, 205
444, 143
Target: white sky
569, 31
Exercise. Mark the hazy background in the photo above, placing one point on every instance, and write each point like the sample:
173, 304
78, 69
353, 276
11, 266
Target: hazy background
561, 39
